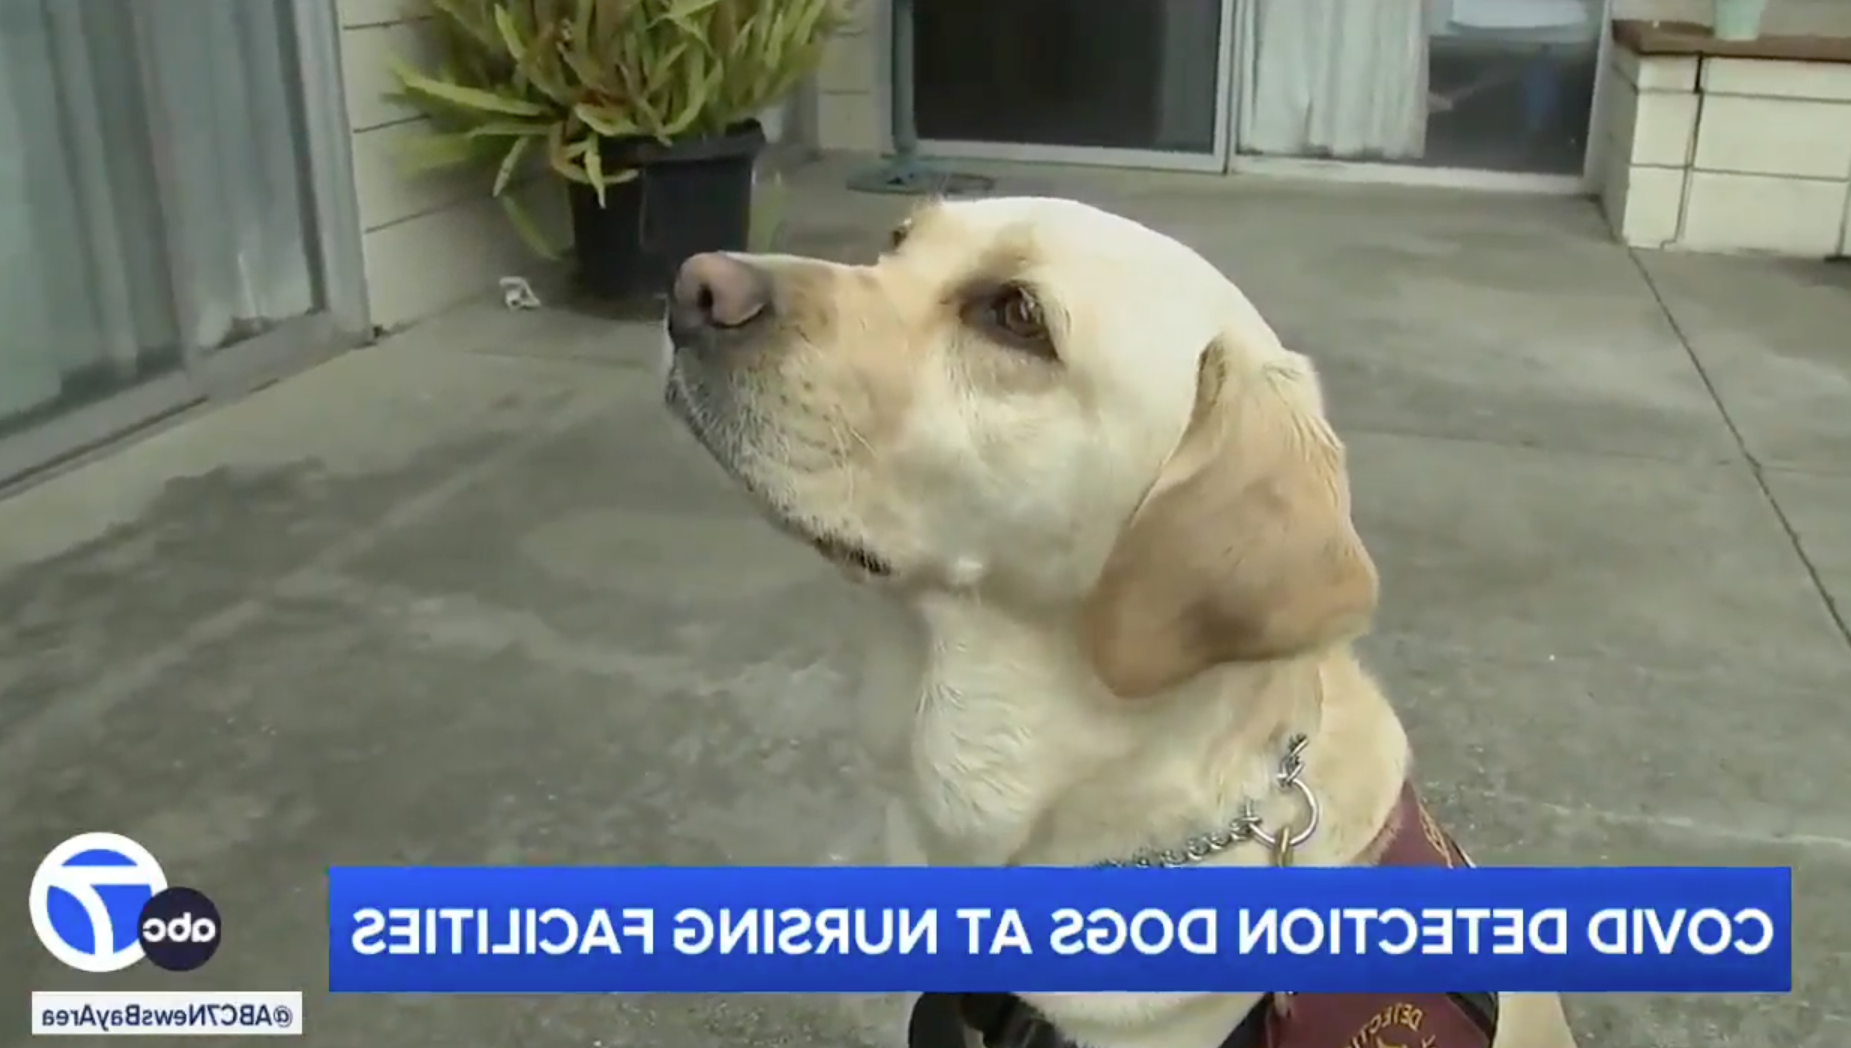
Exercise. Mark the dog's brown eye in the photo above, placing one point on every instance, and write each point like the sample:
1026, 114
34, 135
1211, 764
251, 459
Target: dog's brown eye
898, 236
1014, 313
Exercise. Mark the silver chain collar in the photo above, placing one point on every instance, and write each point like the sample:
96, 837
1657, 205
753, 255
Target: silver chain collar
1247, 825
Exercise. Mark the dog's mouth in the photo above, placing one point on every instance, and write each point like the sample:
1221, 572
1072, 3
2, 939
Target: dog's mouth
724, 450
846, 553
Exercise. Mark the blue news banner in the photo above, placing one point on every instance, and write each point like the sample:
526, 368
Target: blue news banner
857, 930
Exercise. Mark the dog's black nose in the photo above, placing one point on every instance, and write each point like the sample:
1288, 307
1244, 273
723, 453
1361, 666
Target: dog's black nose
717, 292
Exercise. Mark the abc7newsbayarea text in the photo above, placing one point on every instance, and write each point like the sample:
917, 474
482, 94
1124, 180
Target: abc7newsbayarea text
175, 1013
101, 904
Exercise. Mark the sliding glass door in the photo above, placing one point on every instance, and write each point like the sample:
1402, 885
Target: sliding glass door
1135, 84
1480, 85
159, 208
1488, 85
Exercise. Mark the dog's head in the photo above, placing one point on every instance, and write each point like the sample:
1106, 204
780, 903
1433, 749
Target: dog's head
1045, 404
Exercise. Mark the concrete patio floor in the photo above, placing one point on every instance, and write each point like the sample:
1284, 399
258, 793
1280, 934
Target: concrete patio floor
467, 597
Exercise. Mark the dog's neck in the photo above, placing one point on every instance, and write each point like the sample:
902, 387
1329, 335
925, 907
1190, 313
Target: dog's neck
1011, 751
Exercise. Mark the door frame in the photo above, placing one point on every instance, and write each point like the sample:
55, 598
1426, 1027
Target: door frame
335, 234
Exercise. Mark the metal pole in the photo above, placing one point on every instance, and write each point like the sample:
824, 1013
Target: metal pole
900, 67
905, 173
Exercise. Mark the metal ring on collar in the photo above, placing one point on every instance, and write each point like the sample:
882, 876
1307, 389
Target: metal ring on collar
1313, 815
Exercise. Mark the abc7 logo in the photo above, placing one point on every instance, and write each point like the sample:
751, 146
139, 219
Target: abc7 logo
100, 902
179, 929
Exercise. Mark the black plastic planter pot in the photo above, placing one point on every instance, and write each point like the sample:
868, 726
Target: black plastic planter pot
687, 197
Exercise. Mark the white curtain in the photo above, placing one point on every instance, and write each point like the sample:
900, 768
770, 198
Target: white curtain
1335, 78
152, 200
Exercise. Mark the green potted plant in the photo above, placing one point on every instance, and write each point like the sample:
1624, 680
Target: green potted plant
647, 109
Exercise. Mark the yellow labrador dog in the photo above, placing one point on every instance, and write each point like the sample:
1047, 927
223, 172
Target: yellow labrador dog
1116, 525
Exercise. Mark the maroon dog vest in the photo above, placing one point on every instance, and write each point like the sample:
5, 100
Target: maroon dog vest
1281, 1020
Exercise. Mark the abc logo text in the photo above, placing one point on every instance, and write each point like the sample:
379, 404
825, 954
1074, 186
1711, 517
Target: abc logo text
100, 902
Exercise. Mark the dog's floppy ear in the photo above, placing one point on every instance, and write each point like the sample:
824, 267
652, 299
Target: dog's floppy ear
1244, 549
